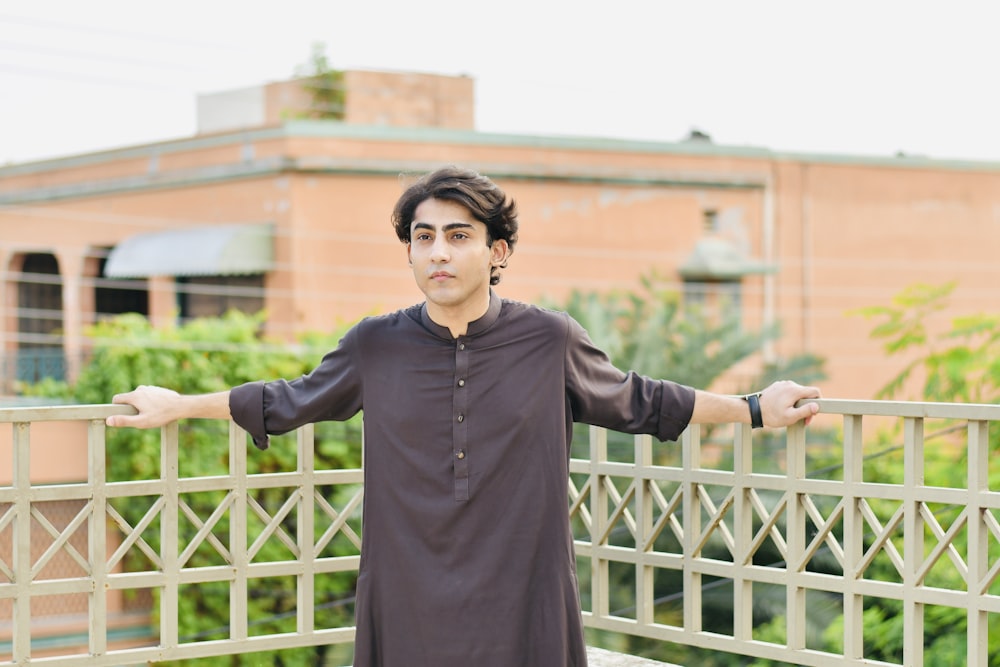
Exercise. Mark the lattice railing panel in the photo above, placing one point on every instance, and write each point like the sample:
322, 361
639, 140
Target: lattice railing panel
766, 527
230, 535
662, 536
666, 535
208, 543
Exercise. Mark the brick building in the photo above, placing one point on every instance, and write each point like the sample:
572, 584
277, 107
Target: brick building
262, 209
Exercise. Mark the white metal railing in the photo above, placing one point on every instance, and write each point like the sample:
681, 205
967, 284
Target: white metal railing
704, 515
864, 528
99, 573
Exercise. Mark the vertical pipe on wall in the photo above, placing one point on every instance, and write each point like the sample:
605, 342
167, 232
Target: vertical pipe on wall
767, 241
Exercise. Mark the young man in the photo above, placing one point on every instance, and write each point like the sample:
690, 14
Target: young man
469, 403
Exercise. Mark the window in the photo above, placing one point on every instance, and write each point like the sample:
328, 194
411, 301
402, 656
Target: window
714, 298
115, 296
212, 296
710, 221
40, 319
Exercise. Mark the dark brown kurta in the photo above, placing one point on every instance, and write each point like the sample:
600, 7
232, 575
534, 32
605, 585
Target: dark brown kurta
467, 557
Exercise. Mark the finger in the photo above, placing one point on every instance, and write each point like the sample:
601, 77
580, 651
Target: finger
813, 411
805, 412
809, 404
116, 420
122, 420
131, 421
811, 392
123, 398
806, 398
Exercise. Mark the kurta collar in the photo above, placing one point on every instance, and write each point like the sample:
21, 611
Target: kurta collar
475, 327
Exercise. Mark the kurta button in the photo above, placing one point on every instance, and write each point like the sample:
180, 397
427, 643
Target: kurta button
461, 418
461, 346
461, 383
460, 455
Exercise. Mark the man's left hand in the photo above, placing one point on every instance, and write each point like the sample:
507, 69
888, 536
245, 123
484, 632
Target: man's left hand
777, 403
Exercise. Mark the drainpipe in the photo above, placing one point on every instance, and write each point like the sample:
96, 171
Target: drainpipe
806, 280
7, 323
770, 280
71, 267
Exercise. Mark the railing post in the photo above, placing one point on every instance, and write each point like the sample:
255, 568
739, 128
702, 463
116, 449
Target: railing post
913, 540
21, 555
238, 541
690, 461
599, 594
169, 551
644, 577
978, 554
854, 532
98, 537
306, 588
742, 532
795, 594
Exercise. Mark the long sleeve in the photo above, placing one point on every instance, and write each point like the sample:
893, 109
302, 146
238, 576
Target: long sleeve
332, 391
602, 395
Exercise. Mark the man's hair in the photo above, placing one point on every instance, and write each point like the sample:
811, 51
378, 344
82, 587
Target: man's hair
486, 202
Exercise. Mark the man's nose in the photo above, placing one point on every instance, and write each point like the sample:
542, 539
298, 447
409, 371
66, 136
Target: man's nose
440, 251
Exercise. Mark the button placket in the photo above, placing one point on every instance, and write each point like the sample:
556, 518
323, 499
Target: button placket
460, 431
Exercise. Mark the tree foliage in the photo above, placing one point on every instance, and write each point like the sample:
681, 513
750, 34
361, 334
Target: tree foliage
324, 84
650, 332
960, 364
203, 356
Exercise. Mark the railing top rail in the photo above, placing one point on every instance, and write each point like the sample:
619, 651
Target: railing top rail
928, 410
57, 413
836, 406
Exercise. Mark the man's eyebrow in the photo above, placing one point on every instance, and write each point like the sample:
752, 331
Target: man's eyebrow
448, 227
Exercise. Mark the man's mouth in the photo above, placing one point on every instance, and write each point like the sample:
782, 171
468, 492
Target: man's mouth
441, 275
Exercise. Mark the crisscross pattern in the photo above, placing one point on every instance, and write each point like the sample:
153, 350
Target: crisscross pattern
837, 537
731, 517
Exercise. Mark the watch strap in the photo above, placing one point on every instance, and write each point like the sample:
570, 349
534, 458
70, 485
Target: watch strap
753, 401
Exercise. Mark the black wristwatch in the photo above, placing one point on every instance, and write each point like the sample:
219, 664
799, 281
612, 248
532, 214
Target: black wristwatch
756, 419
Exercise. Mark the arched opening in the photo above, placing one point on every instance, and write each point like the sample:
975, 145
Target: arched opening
39, 319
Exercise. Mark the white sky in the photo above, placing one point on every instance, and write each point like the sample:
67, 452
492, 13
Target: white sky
864, 77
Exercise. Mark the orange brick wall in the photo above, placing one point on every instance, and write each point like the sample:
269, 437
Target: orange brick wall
844, 233
399, 99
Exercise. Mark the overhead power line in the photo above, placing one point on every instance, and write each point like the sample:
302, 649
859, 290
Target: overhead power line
126, 34
101, 57
77, 77
204, 61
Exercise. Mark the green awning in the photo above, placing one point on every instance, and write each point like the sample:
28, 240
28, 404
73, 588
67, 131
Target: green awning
222, 250
718, 259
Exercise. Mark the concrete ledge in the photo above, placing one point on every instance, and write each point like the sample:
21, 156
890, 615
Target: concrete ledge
599, 657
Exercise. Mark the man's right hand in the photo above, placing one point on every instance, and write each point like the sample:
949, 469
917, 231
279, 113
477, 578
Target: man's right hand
158, 406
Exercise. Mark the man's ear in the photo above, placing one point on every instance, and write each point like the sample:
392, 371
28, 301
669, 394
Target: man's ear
409, 260
499, 253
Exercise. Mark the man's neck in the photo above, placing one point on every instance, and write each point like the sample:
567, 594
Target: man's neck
456, 319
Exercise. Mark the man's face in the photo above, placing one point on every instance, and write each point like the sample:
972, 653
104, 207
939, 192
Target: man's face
450, 257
